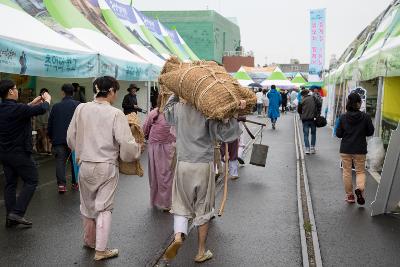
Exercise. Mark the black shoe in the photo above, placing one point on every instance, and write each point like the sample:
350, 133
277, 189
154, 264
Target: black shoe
18, 219
360, 197
10, 223
240, 160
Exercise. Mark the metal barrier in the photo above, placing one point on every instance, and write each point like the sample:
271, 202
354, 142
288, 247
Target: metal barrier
388, 194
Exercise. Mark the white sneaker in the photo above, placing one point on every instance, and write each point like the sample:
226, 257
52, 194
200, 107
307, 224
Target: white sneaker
312, 150
307, 150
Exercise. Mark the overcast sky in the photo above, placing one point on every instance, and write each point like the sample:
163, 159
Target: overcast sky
279, 29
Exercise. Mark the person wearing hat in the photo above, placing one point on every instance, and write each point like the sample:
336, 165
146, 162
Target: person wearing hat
129, 104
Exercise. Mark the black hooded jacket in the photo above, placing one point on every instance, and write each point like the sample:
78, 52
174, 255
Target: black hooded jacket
353, 128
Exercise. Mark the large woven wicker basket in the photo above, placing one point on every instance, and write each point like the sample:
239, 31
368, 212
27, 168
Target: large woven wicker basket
133, 168
207, 86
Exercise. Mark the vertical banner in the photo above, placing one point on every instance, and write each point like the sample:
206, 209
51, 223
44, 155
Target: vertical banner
317, 52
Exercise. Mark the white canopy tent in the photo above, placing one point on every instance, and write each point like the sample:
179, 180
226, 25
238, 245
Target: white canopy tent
25, 52
279, 79
32, 32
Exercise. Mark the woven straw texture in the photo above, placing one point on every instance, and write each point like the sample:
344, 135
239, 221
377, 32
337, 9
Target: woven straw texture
133, 168
207, 86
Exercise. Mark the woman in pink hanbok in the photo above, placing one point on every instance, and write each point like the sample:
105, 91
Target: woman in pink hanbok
161, 149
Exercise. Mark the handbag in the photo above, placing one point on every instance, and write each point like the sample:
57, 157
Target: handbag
320, 121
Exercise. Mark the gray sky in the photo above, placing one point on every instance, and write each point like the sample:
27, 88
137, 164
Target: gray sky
279, 29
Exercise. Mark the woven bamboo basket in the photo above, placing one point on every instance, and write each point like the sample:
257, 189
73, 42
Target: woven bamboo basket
207, 86
133, 168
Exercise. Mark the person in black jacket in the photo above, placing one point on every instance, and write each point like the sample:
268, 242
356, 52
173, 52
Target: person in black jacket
130, 104
59, 119
309, 108
16, 149
354, 126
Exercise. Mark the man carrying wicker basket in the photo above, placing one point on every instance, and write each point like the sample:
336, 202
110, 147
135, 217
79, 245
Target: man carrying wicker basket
193, 189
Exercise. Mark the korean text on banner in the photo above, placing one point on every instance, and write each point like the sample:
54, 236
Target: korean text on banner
317, 52
23, 59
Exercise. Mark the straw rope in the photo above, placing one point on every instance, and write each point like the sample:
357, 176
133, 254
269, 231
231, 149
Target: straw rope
207, 86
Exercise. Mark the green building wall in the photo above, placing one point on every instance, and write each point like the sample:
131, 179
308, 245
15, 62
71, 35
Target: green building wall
206, 32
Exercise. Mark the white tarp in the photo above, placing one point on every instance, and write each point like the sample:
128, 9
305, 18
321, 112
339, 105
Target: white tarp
20, 27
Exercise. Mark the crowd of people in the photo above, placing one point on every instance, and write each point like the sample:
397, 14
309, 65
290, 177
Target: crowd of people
184, 153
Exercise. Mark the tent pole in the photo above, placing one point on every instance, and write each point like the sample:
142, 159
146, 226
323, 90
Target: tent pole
379, 102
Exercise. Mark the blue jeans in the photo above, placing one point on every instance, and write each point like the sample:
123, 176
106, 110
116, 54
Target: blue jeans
259, 108
307, 126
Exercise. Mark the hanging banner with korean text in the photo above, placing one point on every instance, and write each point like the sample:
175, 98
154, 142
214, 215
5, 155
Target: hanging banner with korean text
317, 51
23, 59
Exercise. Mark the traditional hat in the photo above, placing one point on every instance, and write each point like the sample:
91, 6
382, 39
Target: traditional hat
133, 86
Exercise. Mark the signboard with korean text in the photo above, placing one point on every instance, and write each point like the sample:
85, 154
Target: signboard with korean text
317, 51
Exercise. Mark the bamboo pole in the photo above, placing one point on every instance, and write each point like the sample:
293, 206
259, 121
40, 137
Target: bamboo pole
221, 209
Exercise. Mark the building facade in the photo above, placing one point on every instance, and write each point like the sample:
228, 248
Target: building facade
207, 33
232, 61
302, 68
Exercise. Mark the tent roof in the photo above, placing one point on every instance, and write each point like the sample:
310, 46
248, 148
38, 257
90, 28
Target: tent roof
35, 33
298, 79
242, 75
126, 36
68, 16
277, 75
188, 50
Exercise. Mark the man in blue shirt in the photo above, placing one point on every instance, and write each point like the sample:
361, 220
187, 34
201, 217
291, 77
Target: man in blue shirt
16, 149
59, 120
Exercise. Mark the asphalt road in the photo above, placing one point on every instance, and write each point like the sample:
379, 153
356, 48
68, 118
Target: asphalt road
259, 226
348, 235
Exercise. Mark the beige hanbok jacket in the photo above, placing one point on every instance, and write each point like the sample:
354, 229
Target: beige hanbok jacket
100, 133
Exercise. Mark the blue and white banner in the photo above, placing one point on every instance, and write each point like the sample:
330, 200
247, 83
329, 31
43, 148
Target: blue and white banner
24, 59
126, 71
317, 51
